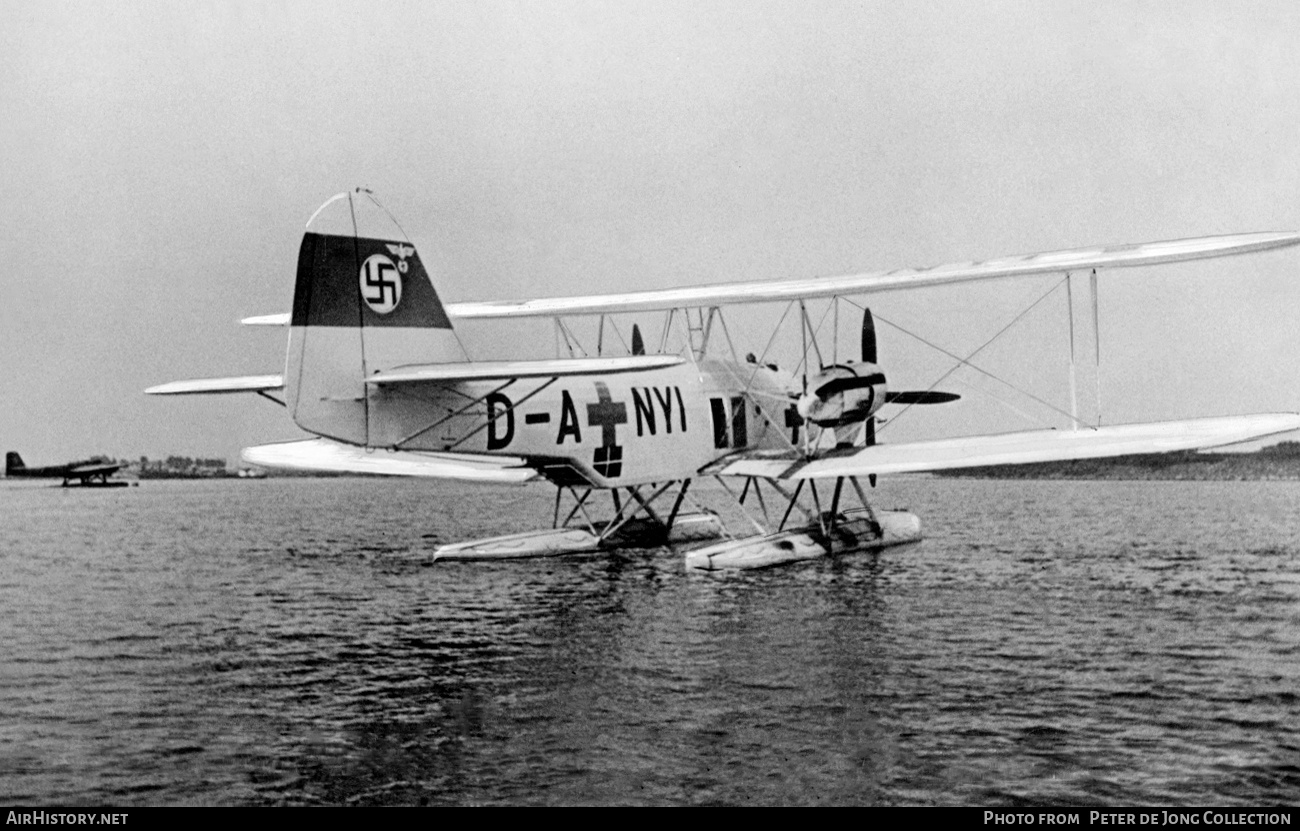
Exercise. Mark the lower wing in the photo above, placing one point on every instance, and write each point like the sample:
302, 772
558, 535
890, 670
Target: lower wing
1014, 448
325, 456
209, 386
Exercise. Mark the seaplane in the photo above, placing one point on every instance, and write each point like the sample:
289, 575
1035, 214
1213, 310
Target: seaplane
378, 375
90, 472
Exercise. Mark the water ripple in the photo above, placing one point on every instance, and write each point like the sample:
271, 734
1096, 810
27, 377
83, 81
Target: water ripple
292, 642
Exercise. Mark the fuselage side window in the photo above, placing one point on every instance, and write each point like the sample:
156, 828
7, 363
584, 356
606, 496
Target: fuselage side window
739, 430
719, 410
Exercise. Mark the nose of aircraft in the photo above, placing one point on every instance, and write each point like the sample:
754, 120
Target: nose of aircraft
815, 409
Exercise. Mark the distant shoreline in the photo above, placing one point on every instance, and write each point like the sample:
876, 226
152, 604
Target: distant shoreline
1281, 462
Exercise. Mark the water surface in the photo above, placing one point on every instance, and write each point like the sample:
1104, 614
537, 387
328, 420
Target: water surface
290, 641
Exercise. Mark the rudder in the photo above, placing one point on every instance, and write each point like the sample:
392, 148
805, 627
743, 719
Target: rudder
363, 303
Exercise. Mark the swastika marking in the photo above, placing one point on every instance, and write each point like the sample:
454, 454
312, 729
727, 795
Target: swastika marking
381, 284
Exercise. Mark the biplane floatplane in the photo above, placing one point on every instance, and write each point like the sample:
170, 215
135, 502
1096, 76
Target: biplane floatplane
376, 371
91, 472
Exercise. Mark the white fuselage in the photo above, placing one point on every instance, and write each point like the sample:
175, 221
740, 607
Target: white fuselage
611, 430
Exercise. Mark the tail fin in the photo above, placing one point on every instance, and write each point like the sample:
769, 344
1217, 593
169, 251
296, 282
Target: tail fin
13, 463
362, 303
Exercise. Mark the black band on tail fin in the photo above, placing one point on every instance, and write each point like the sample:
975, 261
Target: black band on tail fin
359, 281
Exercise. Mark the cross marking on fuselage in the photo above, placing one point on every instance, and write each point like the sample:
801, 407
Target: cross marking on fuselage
606, 414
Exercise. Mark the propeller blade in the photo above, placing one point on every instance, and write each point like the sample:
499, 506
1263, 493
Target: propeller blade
868, 337
638, 345
835, 385
869, 355
912, 397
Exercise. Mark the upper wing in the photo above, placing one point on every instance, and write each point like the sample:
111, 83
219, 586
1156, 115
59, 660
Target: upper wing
1150, 253
499, 370
323, 455
1116, 256
246, 383
1017, 448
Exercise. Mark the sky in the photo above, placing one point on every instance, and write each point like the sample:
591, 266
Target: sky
162, 159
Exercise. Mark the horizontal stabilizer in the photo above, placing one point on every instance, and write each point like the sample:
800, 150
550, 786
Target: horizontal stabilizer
211, 386
498, 370
1018, 448
325, 456
281, 319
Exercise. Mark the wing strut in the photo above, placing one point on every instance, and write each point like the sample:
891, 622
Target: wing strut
493, 419
1096, 340
473, 402
1074, 391
968, 360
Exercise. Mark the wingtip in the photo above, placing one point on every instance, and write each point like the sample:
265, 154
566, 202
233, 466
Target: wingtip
277, 319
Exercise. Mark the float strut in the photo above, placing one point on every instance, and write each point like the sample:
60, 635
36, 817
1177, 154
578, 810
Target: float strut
677, 504
835, 500
871, 513
790, 504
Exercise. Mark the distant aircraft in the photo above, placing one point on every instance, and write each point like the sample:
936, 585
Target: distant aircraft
376, 371
89, 472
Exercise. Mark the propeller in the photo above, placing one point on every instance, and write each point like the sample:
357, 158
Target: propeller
869, 355
844, 397
868, 337
638, 345
840, 396
911, 397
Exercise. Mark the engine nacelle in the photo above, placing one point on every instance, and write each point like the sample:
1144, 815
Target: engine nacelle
843, 394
